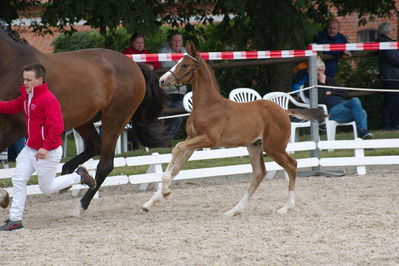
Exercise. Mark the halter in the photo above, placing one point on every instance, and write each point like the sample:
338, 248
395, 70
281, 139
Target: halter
178, 79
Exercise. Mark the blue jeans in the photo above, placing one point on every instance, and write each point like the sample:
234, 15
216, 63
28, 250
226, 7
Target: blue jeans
348, 111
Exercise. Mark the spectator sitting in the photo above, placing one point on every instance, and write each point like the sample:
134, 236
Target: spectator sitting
300, 77
174, 45
331, 35
340, 110
389, 75
137, 46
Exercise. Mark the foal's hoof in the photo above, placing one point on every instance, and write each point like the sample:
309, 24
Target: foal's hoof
232, 213
144, 209
285, 208
77, 211
166, 194
282, 210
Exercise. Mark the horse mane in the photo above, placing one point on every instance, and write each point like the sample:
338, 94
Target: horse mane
211, 74
14, 35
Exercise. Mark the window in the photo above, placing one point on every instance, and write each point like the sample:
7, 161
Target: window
369, 35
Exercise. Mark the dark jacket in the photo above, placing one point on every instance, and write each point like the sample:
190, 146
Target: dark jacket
336, 96
389, 61
331, 64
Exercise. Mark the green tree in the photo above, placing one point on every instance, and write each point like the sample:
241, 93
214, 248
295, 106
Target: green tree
10, 9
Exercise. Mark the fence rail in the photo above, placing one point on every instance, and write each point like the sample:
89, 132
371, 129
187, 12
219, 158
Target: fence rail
155, 161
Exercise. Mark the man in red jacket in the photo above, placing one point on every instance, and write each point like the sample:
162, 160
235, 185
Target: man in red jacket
43, 150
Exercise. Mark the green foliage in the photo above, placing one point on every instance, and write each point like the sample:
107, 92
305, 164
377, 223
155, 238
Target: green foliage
103, 15
117, 40
78, 40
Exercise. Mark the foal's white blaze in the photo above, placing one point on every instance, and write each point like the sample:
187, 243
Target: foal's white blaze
165, 76
290, 203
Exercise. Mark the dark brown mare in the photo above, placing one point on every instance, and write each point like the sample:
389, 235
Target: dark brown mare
261, 126
91, 85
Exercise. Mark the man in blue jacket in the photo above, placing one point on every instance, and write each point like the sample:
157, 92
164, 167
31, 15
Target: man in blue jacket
331, 35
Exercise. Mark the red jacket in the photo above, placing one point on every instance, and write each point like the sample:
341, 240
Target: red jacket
43, 117
131, 50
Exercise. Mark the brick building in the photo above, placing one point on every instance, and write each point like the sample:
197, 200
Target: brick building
367, 33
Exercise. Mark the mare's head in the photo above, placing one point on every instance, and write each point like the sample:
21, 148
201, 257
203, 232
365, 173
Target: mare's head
184, 70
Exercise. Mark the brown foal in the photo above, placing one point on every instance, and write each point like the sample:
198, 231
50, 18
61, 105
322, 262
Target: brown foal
261, 126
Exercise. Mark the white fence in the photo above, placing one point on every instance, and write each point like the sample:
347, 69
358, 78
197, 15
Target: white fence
155, 161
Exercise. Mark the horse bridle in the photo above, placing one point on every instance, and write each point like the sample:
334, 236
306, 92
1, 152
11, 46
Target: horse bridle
178, 79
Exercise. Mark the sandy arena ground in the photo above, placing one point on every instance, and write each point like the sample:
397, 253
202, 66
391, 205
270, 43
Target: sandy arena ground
350, 220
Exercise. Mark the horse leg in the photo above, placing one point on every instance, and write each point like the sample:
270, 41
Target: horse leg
290, 166
179, 158
104, 167
92, 142
255, 151
180, 154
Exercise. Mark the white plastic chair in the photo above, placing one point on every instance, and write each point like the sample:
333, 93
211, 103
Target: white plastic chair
121, 144
188, 106
283, 100
242, 95
331, 125
188, 101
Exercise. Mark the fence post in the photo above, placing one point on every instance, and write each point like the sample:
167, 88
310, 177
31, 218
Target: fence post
153, 168
314, 125
359, 153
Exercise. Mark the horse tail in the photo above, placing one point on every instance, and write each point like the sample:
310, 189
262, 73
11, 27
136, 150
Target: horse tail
147, 129
308, 114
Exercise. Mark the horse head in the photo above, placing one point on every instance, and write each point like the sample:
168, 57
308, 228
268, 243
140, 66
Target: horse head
183, 71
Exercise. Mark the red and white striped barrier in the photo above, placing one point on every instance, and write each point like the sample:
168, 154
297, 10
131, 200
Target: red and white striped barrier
241, 55
355, 46
224, 55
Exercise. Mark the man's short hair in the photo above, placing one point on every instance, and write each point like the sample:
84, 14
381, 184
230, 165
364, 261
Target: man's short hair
333, 20
38, 69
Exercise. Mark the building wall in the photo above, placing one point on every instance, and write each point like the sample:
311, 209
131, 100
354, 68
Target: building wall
350, 26
43, 43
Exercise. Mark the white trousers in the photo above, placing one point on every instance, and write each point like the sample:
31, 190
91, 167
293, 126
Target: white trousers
46, 169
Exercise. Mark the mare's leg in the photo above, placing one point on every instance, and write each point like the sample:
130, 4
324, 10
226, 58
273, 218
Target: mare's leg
92, 142
290, 166
106, 163
110, 134
179, 158
255, 151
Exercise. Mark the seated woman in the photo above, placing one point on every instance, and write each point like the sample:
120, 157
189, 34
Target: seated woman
137, 46
339, 109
